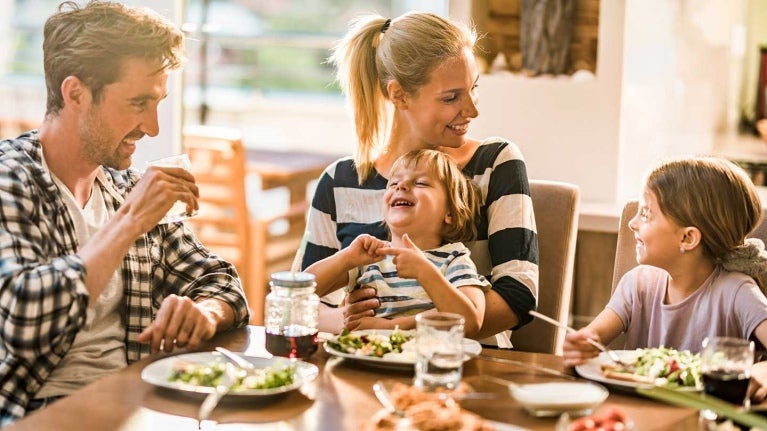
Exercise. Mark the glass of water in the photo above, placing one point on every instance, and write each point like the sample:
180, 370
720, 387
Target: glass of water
439, 350
178, 211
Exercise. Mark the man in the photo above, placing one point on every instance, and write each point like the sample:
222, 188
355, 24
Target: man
89, 282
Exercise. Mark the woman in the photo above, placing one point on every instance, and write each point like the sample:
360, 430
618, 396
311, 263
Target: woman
412, 85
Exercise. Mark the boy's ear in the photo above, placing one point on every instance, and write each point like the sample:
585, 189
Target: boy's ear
691, 238
397, 94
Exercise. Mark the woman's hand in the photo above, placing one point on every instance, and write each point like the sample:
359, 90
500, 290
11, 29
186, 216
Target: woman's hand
577, 349
360, 303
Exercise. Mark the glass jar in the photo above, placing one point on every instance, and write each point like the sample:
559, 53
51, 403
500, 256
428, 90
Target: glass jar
291, 315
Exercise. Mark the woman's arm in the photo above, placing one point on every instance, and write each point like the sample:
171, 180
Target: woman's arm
511, 244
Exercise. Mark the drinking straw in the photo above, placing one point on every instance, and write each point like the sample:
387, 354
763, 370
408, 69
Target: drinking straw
296, 266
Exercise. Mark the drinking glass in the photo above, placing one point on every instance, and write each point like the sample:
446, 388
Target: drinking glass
726, 365
178, 211
439, 350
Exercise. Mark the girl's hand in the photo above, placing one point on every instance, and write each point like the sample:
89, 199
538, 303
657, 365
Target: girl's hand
577, 350
758, 388
409, 260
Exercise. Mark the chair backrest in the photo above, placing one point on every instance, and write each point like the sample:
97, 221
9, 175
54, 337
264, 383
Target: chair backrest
556, 206
218, 164
625, 251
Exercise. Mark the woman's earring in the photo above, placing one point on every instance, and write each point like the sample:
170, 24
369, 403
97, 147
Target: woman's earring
681, 249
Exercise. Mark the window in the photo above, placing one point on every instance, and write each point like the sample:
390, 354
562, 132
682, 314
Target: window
261, 65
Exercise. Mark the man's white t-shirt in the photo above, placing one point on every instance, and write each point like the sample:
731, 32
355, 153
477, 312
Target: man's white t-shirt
99, 347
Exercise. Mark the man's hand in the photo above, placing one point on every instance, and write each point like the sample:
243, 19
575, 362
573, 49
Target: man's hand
156, 192
180, 322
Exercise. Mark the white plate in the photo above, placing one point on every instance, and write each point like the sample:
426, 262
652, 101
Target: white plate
592, 370
470, 348
555, 398
157, 373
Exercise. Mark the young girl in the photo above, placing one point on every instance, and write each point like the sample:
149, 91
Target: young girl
697, 269
428, 205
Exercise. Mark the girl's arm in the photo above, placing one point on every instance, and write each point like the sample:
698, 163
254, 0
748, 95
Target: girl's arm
604, 328
761, 333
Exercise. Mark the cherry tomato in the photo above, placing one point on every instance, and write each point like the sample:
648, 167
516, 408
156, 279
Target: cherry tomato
615, 414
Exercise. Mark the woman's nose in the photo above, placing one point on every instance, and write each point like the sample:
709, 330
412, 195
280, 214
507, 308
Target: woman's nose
470, 109
633, 223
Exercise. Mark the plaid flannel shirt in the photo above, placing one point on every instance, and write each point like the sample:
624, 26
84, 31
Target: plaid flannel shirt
43, 298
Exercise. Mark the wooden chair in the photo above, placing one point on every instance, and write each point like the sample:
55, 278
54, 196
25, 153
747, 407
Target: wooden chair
224, 223
12, 127
556, 206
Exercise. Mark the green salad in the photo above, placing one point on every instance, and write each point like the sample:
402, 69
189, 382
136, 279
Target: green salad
370, 344
212, 374
669, 367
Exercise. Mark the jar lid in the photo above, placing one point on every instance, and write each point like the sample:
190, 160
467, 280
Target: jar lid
293, 279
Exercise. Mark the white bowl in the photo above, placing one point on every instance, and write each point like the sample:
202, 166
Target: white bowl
555, 398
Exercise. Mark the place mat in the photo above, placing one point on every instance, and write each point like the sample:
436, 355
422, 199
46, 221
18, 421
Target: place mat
701, 401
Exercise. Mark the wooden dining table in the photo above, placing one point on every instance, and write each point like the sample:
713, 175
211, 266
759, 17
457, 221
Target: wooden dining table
341, 398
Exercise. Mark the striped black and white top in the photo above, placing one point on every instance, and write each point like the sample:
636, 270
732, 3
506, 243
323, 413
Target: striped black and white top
506, 249
405, 296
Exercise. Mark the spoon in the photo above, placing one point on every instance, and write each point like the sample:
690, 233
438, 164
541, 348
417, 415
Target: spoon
609, 352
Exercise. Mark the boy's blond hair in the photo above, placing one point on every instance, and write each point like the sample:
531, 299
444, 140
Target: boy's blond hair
463, 195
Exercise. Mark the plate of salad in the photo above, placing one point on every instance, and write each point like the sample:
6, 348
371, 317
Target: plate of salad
200, 373
656, 366
385, 348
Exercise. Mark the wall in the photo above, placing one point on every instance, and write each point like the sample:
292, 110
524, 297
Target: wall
667, 83
682, 68
566, 127
756, 36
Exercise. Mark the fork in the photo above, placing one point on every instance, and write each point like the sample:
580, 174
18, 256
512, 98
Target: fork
212, 400
609, 352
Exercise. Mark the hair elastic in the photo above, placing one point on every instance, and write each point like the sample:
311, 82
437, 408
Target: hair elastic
386, 25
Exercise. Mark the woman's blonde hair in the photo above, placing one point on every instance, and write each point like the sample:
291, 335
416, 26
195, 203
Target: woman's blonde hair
717, 197
376, 51
463, 195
